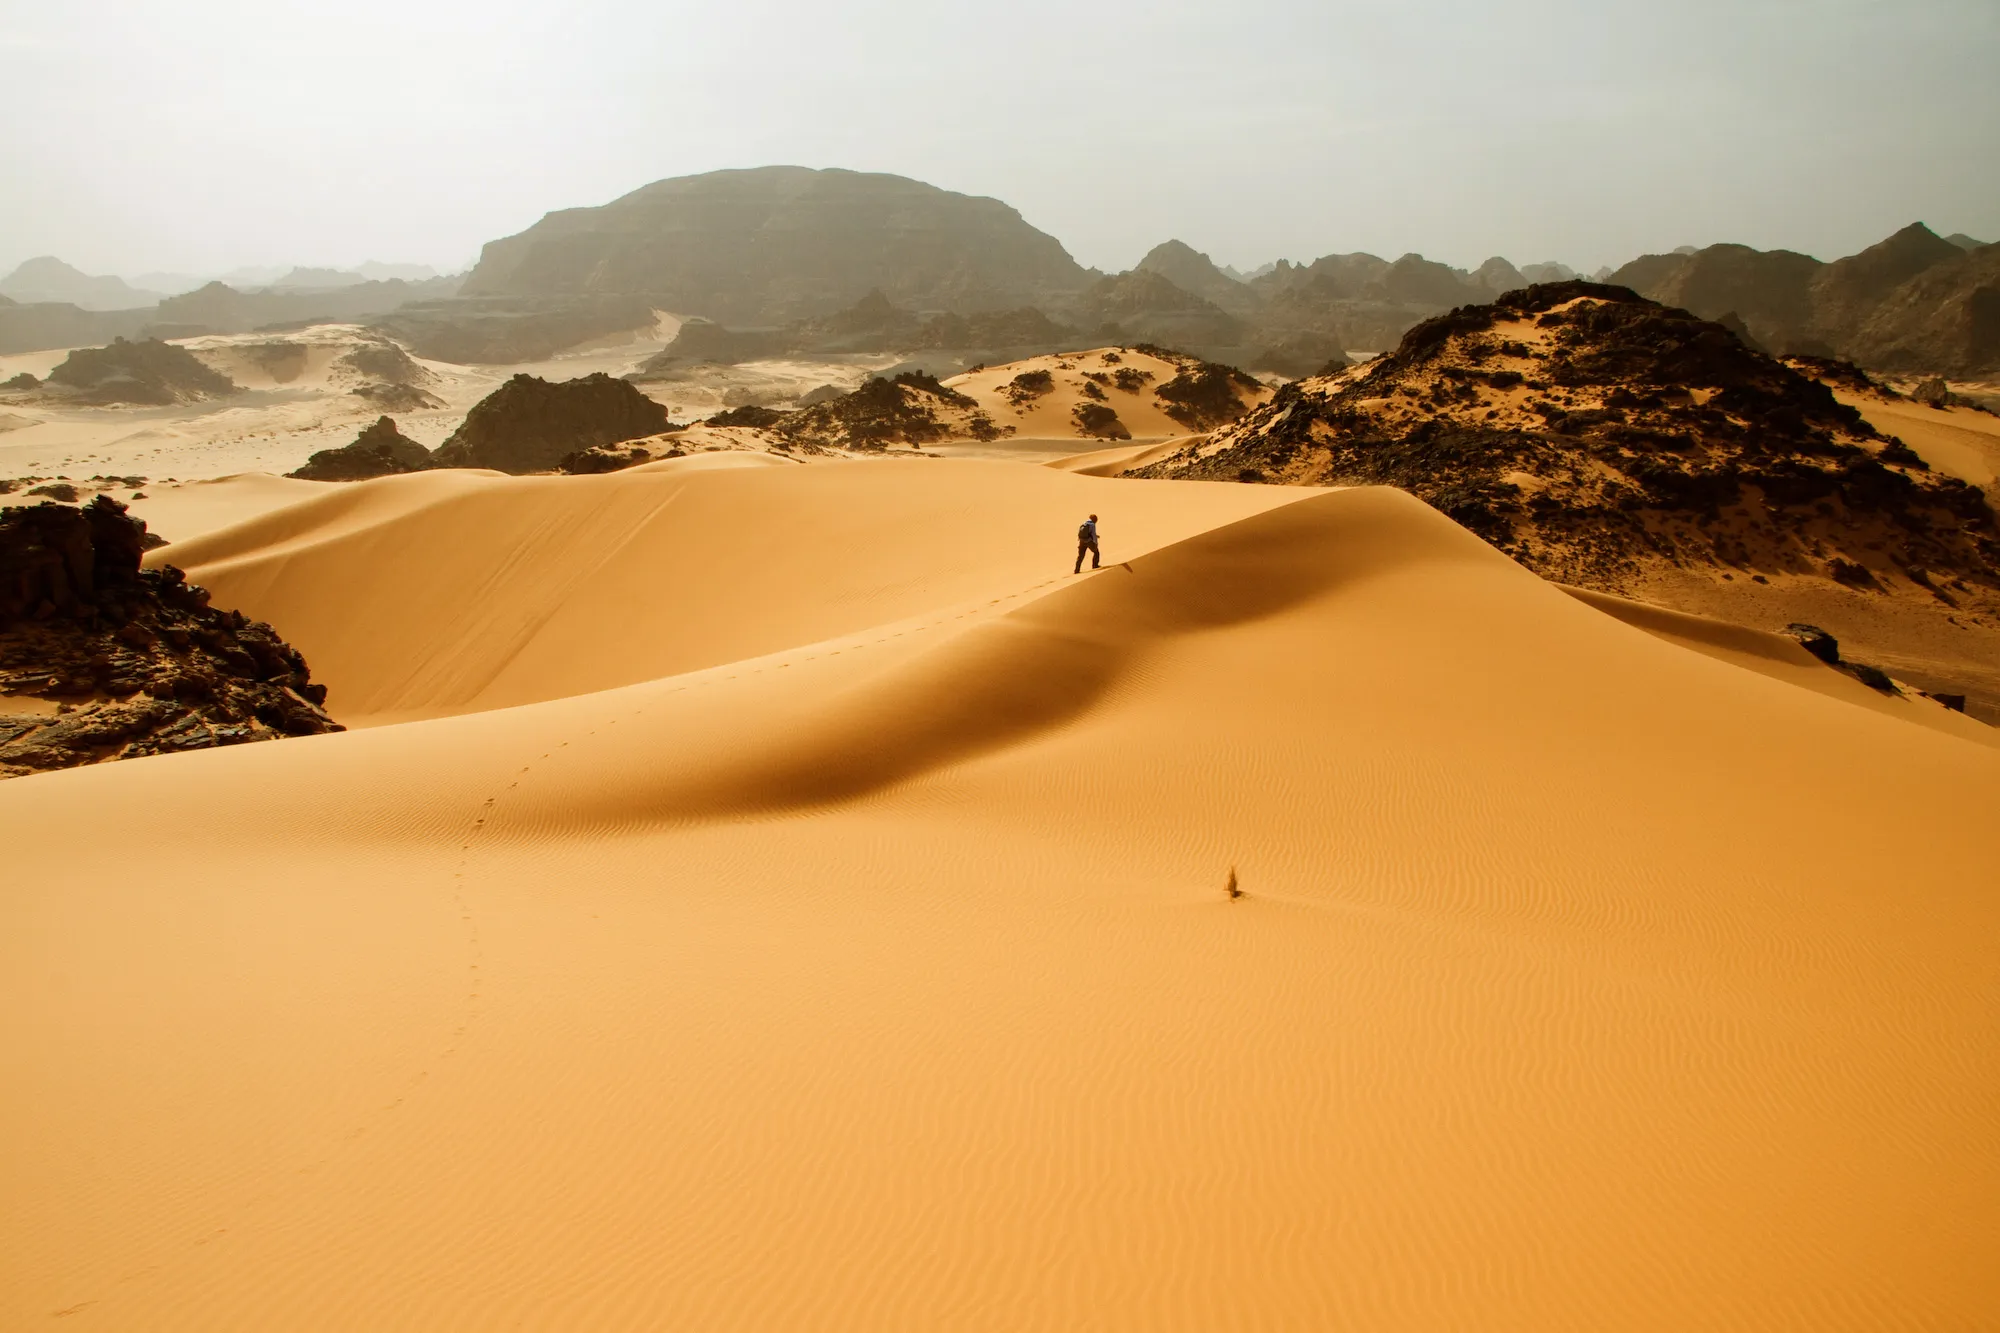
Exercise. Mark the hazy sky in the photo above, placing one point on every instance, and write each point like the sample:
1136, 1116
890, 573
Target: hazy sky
201, 135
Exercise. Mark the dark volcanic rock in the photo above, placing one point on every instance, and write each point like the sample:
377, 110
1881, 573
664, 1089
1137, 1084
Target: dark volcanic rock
1595, 435
132, 662
379, 451
530, 425
151, 373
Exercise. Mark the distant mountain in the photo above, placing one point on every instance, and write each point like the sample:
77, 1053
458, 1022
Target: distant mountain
1145, 306
49, 279
317, 279
376, 272
1496, 275
1769, 290
1847, 291
1913, 301
220, 308
1192, 271
1547, 272
1964, 242
1414, 280
769, 244
1946, 319
167, 284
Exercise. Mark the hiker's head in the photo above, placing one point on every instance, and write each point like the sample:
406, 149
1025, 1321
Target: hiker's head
1093, 518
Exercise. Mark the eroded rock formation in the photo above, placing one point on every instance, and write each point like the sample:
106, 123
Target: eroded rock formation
100, 659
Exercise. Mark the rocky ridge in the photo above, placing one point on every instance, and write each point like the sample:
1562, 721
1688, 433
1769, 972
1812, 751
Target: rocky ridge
1593, 434
101, 659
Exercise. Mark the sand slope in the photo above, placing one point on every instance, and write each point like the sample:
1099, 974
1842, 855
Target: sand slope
1051, 414
886, 980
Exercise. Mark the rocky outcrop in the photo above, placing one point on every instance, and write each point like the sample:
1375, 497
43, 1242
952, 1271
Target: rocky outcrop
771, 244
379, 451
149, 373
1594, 435
100, 659
530, 425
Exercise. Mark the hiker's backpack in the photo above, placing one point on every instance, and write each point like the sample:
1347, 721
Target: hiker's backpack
1083, 532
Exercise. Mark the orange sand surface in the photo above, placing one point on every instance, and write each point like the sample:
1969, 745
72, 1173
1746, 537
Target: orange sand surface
803, 906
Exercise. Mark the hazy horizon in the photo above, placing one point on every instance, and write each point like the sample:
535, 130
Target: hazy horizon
217, 136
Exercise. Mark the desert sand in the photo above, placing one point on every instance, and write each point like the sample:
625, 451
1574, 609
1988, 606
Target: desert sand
280, 420
787, 897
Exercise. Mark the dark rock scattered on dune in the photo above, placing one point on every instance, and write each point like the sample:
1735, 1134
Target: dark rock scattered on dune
1099, 421
912, 409
1595, 436
379, 451
530, 425
1204, 394
127, 661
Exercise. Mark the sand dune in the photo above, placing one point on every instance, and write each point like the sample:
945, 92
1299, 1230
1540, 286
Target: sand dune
834, 936
1958, 441
1051, 413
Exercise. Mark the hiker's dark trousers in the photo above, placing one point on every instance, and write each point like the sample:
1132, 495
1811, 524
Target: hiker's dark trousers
1083, 549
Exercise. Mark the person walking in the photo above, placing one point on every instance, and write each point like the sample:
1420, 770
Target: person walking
1086, 540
